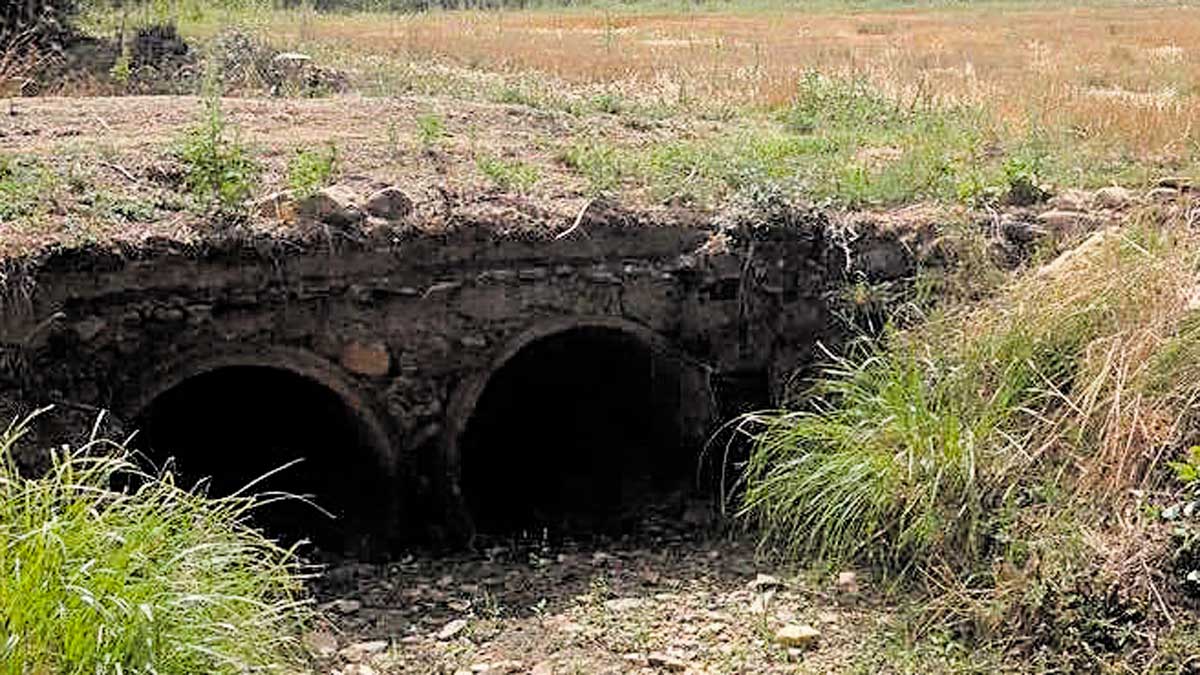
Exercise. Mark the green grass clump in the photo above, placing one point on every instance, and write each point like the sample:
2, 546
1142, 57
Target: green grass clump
309, 170
107, 570
219, 171
919, 450
508, 174
602, 165
25, 185
431, 129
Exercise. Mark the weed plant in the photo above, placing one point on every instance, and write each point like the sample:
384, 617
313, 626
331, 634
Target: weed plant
105, 569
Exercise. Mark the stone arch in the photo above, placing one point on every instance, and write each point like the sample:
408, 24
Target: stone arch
227, 414
639, 395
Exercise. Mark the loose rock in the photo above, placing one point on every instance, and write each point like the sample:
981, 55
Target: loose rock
1114, 197
1070, 200
361, 650
452, 629
1162, 194
335, 205
389, 203
346, 605
1063, 220
666, 662
801, 636
275, 206
847, 582
623, 604
766, 582
322, 643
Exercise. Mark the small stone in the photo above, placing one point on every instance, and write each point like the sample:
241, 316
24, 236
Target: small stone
367, 358
361, 650
1114, 197
358, 669
847, 582
294, 57
766, 582
623, 604
1162, 194
1063, 220
452, 629
761, 602
275, 206
321, 643
89, 328
335, 205
346, 605
542, 668
473, 341
1070, 200
801, 636
666, 662
508, 666
1174, 182
390, 203
827, 617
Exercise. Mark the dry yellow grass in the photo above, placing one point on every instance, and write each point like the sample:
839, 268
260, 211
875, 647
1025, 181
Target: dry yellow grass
1128, 72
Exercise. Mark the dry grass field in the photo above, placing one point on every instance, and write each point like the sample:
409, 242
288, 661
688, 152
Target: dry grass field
866, 107
1125, 77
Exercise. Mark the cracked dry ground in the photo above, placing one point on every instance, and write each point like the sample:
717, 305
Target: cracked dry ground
699, 603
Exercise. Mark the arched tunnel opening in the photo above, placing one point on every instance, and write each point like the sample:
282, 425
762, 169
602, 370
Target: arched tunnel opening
232, 425
588, 430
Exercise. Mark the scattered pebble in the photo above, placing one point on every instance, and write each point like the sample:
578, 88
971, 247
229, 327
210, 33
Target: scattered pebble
346, 606
452, 629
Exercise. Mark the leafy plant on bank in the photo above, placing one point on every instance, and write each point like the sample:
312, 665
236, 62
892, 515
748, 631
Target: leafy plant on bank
311, 169
219, 171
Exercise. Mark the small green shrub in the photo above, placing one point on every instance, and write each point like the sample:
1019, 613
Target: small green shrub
25, 184
1184, 517
509, 174
309, 170
431, 129
218, 170
99, 579
601, 164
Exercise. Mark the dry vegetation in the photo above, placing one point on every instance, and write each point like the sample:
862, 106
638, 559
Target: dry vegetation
1122, 81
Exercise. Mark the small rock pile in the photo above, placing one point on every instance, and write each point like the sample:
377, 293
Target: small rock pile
337, 206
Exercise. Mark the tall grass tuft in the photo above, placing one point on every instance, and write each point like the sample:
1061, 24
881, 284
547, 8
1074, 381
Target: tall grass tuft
106, 569
920, 450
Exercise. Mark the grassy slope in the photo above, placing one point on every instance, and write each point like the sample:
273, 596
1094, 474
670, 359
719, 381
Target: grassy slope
1011, 455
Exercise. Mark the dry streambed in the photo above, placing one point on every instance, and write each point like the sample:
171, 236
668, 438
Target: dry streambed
698, 605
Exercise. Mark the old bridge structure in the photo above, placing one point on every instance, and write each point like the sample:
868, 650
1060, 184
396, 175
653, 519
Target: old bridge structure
434, 383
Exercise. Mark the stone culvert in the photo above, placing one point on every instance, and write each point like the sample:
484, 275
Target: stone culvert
435, 384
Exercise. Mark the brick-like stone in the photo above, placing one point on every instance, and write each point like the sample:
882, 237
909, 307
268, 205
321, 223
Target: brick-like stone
367, 358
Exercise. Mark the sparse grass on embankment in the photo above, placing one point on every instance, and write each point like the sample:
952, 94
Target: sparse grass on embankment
956, 102
1010, 457
106, 570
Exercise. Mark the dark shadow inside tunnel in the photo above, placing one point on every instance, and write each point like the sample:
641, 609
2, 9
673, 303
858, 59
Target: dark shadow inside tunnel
586, 430
232, 425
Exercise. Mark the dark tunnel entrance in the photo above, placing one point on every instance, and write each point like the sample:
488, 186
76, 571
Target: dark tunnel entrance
235, 424
588, 431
